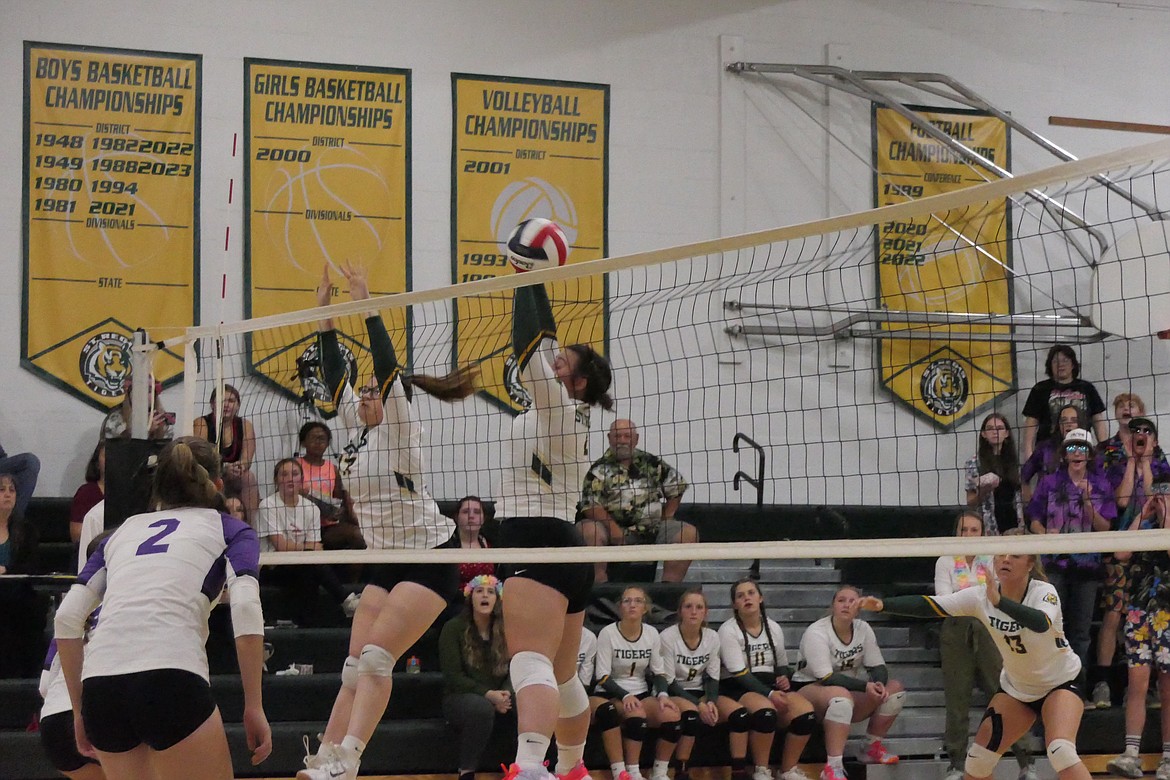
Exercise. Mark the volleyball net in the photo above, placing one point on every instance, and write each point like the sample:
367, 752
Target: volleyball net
847, 361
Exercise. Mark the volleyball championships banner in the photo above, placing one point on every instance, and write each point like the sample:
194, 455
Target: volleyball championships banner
326, 182
110, 215
955, 263
524, 148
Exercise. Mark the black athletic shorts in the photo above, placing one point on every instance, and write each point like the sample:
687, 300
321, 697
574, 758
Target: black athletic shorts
442, 578
574, 581
1038, 705
60, 743
157, 708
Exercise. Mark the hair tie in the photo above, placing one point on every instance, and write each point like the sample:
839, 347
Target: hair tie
483, 581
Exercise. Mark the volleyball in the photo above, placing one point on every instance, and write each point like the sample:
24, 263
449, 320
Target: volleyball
536, 244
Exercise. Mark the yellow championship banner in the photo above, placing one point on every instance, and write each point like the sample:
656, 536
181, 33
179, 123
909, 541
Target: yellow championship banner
110, 212
326, 182
956, 263
524, 148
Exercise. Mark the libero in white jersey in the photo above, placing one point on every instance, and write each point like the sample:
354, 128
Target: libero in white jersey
1022, 613
1034, 661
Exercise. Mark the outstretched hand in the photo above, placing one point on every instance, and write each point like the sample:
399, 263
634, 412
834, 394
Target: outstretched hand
356, 275
324, 287
871, 604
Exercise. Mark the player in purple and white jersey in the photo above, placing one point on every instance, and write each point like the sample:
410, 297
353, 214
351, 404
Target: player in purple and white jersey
140, 692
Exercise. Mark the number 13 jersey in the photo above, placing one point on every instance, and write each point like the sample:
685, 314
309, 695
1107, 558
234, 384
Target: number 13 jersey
1033, 662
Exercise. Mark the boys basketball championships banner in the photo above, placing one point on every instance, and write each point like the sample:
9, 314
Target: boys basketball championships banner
326, 182
955, 263
111, 224
524, 148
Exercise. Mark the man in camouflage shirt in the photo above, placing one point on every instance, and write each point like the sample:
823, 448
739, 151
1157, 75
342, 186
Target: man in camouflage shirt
630, 497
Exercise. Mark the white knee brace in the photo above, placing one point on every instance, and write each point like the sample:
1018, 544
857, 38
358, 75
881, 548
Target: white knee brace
893, 704
1063, 754
531, 668
375, 661
980, 761
349, 673
840, 710
574, 699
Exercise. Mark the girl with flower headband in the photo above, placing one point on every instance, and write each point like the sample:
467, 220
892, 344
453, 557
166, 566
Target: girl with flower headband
474, 660
969, 654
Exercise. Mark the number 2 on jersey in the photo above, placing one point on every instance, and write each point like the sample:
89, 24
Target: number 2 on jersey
151, 546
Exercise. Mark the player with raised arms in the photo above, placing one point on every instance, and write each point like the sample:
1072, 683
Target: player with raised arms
141, 694
537, 506
1022, 613
383, 470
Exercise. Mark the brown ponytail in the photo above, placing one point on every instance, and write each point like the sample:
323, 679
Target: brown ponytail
451, 387
185, 475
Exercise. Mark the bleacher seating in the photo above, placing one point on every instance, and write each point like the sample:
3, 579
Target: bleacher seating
413, 738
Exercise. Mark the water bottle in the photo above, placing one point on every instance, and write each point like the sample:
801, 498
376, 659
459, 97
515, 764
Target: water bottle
412, 665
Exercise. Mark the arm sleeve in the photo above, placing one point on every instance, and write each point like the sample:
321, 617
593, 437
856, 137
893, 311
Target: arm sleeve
386, 367
878, 673
532, 321
332, 364
78, 603
846, 681
676, 689
1028, 617
731, 655
710, 688
961, 602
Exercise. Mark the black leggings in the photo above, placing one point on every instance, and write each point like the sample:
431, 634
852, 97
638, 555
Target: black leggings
473, 716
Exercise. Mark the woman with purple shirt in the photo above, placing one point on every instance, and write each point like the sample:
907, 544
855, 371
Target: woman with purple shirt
1075, 499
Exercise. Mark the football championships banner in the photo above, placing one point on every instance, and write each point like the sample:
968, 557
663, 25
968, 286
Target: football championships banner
524, 148
110, 214
954, 263
326, 182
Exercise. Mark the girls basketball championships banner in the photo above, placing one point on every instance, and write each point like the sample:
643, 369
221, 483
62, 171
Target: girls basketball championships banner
955, 263
525, 148
110, 217
326, 182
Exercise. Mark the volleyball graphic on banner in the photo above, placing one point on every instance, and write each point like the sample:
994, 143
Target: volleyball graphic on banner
529, 198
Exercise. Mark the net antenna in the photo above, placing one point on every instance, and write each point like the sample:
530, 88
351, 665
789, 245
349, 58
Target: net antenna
1118, 265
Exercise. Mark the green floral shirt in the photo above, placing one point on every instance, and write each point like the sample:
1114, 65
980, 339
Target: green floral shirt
633, 496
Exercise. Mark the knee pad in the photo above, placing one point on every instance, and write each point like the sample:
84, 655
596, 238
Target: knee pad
375, 661
803, 725
634, 728
1062, 754
574, 700
840, 710
739, 722
980, 761
349, 673
689, 723
764, 721
529, 668
670, 731
606, 717
893, 704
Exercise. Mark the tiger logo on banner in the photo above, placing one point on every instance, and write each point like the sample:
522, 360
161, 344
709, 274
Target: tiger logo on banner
111, 227
327, 151
958, 262
524, 148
